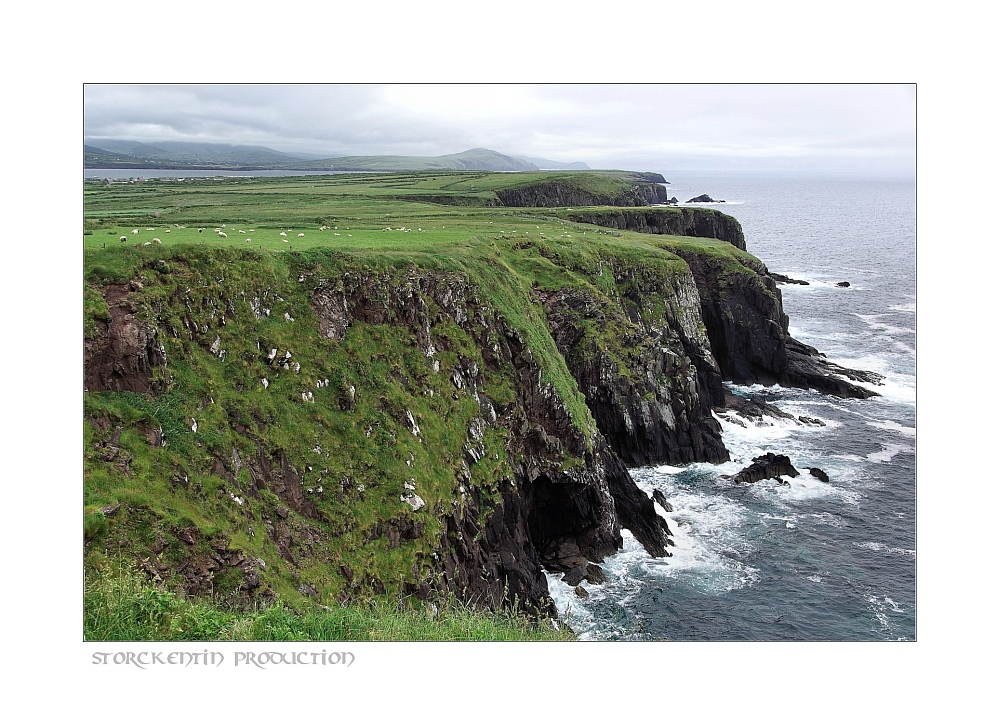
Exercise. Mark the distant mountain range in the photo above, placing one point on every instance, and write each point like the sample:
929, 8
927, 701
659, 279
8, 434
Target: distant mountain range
123, 154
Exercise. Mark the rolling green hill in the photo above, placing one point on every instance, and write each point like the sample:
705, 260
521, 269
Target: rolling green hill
112, 153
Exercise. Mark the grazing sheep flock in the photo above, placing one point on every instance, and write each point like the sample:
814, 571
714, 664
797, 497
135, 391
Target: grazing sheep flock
284, 234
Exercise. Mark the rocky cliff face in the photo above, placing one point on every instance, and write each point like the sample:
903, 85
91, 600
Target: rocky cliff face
557, 497
680, 221
652, 393
748, 330
559, 193
126, 352
567, 498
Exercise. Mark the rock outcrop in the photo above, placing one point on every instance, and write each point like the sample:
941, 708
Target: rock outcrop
769, 465
680, 221
748, 330
560, 193
125, 354
653, 399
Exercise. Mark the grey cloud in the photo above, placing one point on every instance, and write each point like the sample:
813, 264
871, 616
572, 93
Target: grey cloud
866, 127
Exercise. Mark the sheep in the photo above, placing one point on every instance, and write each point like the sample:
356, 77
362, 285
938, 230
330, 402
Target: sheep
222, 234
123, 238
157, 240
200, 230
282, 234
135, 231
248, 239
301, 234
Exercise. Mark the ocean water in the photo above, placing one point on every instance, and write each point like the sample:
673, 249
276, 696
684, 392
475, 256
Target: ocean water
801, 560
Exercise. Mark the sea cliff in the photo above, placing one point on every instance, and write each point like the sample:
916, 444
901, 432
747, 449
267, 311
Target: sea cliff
334, 423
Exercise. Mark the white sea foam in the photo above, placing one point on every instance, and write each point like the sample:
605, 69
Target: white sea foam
803, 487
904, 347
894, 427
881, 606
739, 438
705, 528
872, 322
896, 386
910, 307
879, 546
888, 452
878, 609
836, 406
829, 519
669, 469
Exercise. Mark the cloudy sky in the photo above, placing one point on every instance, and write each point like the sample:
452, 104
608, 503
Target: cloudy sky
823, 128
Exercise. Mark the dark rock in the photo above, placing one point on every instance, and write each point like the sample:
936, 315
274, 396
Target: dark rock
125, 352
659, 498
645, 420
680, 221
595, 574
754, 408
748, 331
556, 193
820, 474
581, 592
576, 575
782, 279
843, 284
308, 590
806, 420
703, 199
767, 466
634, 509
111, 510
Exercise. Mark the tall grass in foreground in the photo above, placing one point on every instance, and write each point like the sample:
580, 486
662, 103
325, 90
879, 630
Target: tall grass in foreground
125, 607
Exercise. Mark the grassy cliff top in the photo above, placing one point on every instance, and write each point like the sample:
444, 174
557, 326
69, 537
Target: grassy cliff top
291, 200
374, 220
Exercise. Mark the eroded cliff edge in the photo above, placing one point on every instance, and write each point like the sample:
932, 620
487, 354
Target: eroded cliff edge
330, 427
